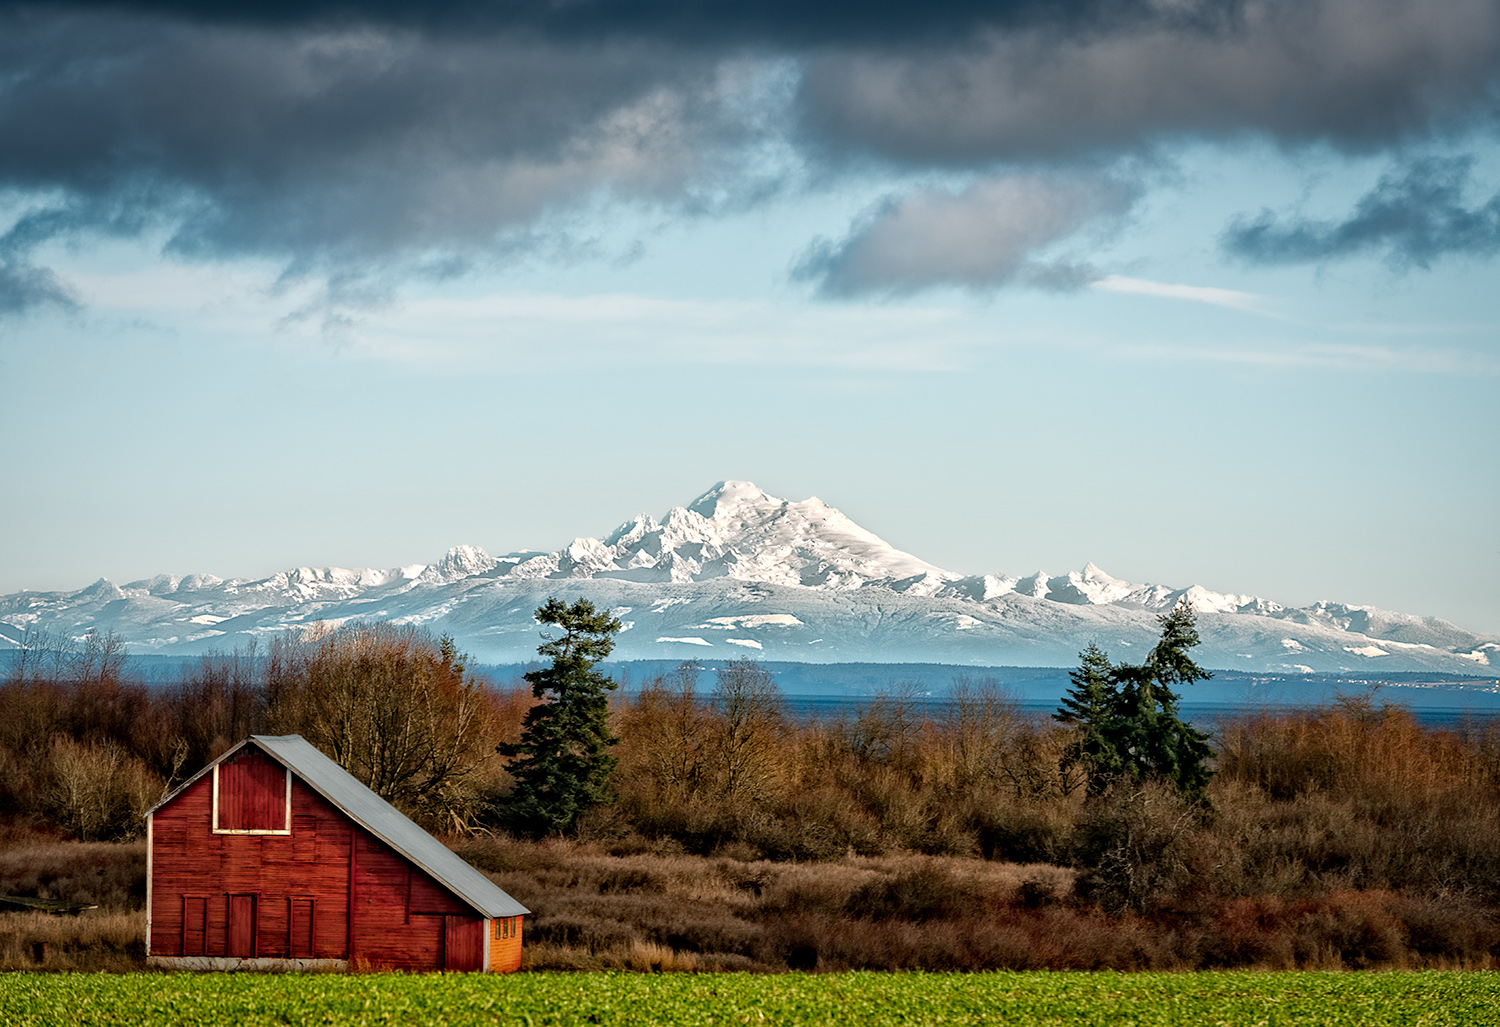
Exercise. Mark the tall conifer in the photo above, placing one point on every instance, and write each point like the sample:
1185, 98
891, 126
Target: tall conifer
562, 763
1127, 716
1089, 704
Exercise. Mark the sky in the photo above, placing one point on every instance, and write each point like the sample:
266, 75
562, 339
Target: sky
1203, 292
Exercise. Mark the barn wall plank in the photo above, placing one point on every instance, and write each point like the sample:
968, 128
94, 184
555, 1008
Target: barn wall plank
252, 793
399, 909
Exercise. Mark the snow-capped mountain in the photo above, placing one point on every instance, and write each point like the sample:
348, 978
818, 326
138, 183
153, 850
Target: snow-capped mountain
740, 572
735, 531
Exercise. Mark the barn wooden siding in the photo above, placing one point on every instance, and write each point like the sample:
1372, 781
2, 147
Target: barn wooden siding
252, 794
288, 896
505, 944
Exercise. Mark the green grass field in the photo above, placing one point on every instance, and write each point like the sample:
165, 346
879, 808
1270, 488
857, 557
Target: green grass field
855, 999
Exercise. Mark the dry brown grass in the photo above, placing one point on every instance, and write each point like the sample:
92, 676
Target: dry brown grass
629, 910
108, 874
625, 909
96, 940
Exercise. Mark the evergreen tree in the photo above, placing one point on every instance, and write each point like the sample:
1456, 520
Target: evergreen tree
1090, 705
1127, 715
562, 764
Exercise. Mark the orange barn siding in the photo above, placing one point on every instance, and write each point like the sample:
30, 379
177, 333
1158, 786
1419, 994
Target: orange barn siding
505, 953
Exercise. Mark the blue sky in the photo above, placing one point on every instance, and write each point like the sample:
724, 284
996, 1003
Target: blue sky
1203, 293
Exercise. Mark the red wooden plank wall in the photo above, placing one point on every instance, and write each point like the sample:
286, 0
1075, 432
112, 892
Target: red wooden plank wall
252, 793
241, 927
301, 929
299, 889
463, 943
402, 913
188, 860
194, 925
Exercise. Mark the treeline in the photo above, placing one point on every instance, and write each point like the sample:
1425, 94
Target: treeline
1354, 796
87, 751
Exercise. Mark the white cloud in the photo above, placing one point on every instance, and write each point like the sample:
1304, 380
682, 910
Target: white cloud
995, 232
1354, 358
1167, 290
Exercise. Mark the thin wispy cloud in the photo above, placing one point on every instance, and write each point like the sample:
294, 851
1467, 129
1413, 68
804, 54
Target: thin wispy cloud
1231, 298
1424, 329
1303, 356
520, 331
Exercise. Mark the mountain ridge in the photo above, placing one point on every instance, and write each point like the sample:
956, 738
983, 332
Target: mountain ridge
738, 570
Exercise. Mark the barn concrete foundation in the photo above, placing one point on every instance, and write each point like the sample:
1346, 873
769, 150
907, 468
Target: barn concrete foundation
228, 963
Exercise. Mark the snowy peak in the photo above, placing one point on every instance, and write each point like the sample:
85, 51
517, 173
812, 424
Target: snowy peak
731, 500
464, 561
736, 530
1093, 587
1097, 586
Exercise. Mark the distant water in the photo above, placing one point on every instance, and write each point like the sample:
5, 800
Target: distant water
1205, 715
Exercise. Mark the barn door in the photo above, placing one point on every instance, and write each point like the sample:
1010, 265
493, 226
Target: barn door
241, 927
301, 928
463, 943
194, 924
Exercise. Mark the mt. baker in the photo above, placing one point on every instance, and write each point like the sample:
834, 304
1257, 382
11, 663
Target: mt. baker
739, 572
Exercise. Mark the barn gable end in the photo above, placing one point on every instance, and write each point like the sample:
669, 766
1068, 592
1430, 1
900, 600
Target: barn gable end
274, 856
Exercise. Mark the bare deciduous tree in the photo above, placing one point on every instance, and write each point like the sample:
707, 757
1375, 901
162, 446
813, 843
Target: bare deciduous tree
750, 713
666, 732
391, 706
982, 717
885, 729
97, 790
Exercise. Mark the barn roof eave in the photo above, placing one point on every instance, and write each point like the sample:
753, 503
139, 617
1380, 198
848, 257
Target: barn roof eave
389, 824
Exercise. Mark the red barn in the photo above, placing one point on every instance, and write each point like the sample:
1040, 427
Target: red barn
273, 856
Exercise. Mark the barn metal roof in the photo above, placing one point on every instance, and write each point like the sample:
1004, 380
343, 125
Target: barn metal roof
381, 819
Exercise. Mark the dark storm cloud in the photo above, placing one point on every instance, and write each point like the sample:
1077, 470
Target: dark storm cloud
373, 142
989, 235
339, 138
713, 23
352, 153
1414, 216
1357, 73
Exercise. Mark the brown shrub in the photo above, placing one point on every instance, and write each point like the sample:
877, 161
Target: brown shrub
1134, 844
1449, 931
